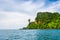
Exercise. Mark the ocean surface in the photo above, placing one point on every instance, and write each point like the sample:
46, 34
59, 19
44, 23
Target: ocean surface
29, 34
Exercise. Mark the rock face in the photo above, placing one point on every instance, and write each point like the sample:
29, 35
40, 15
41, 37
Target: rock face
45, 20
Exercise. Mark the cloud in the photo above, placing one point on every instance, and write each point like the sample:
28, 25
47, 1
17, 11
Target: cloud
14, 14
16, 5
14, 20
53, 7
28, 6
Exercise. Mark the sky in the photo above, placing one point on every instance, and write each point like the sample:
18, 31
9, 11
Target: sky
14, 14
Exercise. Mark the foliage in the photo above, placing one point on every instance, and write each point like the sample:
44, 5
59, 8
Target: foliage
45, 20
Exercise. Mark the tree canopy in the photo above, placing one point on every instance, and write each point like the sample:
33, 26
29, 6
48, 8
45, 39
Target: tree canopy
45, 20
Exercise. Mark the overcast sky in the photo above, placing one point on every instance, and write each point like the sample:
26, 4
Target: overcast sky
14, 14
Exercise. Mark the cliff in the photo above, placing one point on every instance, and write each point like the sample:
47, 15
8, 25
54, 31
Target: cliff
45, 20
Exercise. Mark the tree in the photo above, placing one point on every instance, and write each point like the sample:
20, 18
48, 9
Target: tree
45, 20
29, 21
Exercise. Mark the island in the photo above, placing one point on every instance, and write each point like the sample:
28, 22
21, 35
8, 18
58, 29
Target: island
45, 20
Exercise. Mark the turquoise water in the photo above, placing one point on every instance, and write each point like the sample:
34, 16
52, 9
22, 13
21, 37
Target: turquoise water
29, 34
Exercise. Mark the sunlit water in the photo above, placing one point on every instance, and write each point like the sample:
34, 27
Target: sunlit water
29, 34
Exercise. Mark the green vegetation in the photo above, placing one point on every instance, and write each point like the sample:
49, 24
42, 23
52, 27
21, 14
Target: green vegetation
45, 20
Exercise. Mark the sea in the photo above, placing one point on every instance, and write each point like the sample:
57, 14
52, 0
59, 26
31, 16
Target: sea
30, 34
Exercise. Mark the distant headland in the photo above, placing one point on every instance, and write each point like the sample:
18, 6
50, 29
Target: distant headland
45, 20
